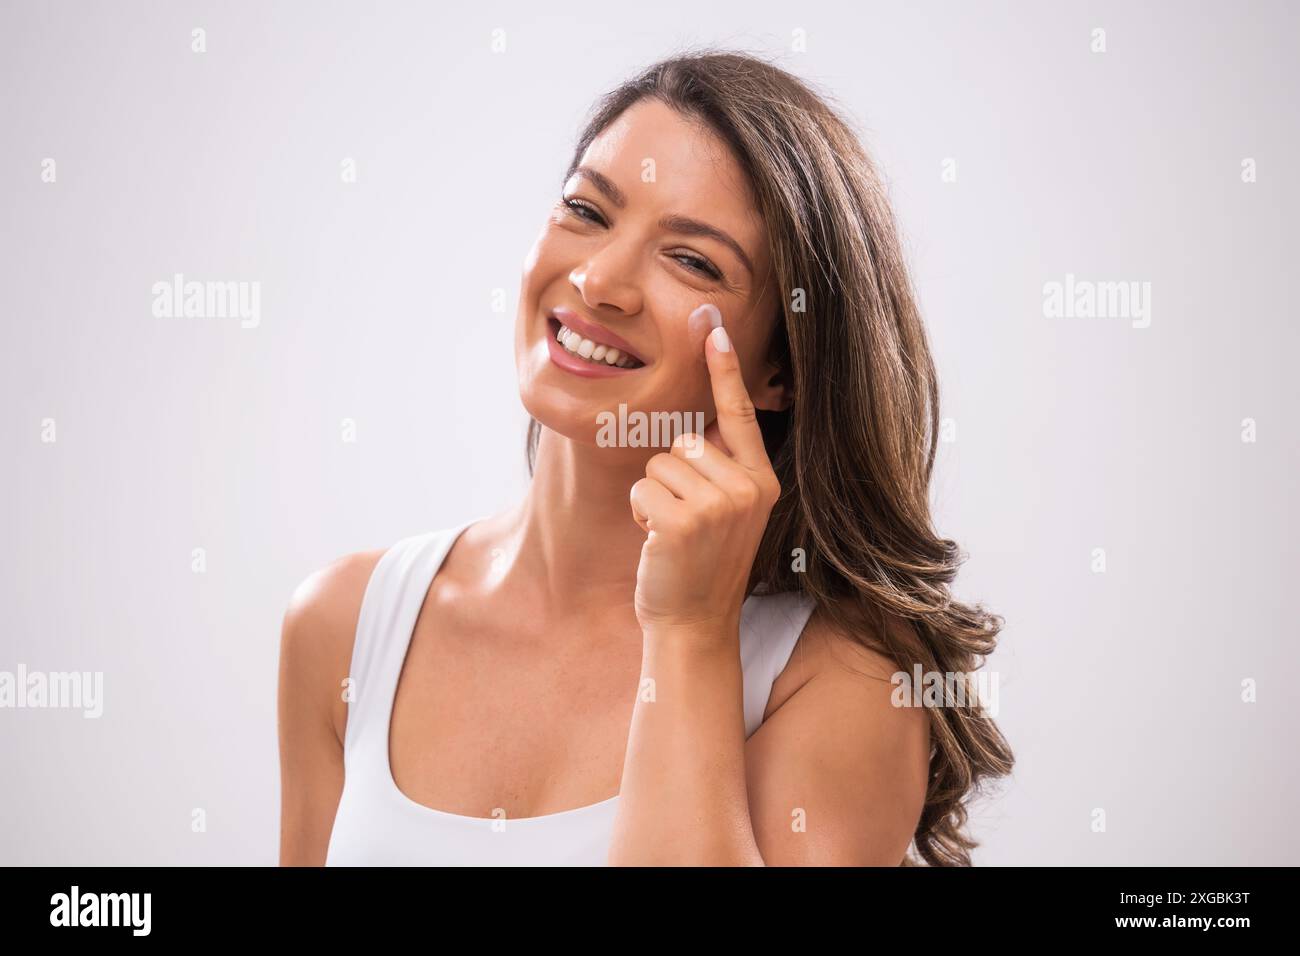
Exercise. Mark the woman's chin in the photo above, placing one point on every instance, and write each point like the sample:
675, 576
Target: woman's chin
581, 425
570, 406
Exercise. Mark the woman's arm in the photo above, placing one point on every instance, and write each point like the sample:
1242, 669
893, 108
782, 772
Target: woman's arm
856, 765
682, 799
315, 655
835, 776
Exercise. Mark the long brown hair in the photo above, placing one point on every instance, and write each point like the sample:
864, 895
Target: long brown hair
855, 451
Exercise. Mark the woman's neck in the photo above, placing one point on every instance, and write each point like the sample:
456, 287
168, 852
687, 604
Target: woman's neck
573, 536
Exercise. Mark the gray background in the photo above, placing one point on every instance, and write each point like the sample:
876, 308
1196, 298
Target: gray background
1118, 691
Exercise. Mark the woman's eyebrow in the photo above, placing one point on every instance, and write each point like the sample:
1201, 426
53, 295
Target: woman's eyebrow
693, 227
604, 184
683, 225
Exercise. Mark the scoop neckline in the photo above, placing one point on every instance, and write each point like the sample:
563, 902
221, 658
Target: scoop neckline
391, 781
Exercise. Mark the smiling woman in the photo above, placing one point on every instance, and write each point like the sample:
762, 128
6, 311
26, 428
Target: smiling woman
681, 656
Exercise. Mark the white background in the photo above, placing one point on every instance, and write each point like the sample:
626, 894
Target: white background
1119, 691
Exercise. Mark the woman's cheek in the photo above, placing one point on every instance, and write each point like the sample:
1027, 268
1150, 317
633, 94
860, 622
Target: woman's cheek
687, 389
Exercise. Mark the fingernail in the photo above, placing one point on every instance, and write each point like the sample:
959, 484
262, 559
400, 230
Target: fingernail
720, 340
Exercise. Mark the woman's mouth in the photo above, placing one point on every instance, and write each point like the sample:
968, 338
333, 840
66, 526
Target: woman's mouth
592, 351
576, 353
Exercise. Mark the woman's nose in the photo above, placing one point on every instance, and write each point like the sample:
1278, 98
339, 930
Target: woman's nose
610, 279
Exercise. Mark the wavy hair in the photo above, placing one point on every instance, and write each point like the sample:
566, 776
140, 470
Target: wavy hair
855, 450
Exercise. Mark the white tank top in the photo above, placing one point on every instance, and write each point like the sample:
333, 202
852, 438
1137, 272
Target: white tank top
378, 825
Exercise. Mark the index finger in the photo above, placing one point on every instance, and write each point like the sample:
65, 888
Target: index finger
737, 421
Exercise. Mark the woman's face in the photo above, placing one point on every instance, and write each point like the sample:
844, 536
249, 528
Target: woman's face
656, 221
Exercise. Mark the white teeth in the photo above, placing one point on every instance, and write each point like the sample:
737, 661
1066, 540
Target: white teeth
589, 350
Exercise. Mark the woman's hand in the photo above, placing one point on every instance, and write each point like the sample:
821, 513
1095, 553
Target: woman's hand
704, 507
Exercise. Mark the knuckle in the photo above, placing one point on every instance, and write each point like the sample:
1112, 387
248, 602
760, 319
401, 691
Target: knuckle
685, 443
748, 494
741, 407
658, 463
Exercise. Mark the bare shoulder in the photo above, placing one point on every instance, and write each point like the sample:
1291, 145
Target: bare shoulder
826, 648
337, 587
320, 627
849, 669
835, 749
315, 655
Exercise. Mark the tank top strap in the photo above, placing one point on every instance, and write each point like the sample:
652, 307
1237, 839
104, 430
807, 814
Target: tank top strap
770, 625
394, 595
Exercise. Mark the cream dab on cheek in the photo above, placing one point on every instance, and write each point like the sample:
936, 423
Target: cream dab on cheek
702, 321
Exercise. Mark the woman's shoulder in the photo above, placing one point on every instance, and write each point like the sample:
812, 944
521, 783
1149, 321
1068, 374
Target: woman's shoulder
835, 649
332, 594
318, 631
325, 606
842, 674
333, 588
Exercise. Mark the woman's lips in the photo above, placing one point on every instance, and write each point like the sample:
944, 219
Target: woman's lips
597, 333
579, 366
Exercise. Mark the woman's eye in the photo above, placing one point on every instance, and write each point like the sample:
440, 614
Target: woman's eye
702, 266
581, 210
586, 212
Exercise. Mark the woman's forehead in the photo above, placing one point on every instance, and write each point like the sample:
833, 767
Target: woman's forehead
676, 164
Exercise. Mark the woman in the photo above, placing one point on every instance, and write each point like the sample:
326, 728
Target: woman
683, 654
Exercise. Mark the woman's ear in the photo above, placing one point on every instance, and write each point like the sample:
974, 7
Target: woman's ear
776, 394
